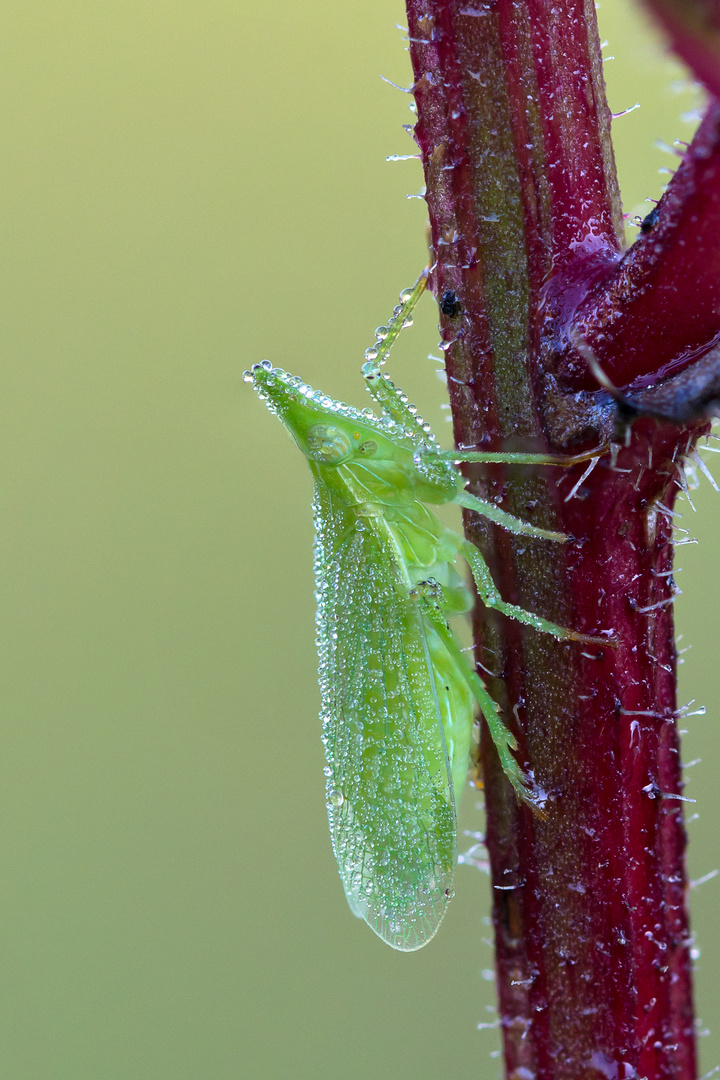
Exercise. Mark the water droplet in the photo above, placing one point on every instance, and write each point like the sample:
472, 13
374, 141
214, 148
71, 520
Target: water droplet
405, 295
381, 333
336, 798
247, 376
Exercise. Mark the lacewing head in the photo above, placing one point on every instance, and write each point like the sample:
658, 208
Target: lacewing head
328, 432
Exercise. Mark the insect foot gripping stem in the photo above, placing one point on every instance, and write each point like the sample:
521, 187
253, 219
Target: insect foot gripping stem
488, 593
398, 694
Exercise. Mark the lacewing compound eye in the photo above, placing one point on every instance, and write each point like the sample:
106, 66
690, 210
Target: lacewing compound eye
328, 444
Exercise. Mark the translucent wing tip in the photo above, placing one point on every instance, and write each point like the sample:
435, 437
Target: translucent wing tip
409, 933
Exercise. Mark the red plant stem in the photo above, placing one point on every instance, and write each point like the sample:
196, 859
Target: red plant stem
592, 944
661, 305
593, 961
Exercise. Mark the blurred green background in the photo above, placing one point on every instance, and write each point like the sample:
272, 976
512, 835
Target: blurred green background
187, 188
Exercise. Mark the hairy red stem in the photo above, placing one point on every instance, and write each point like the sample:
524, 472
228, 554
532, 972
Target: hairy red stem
660, 307
592, 942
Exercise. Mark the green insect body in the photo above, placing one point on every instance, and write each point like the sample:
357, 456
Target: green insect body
398, 694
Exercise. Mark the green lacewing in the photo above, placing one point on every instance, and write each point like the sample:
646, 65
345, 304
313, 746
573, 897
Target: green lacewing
398, 694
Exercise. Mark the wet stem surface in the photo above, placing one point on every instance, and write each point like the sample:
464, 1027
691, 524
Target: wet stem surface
557, 339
